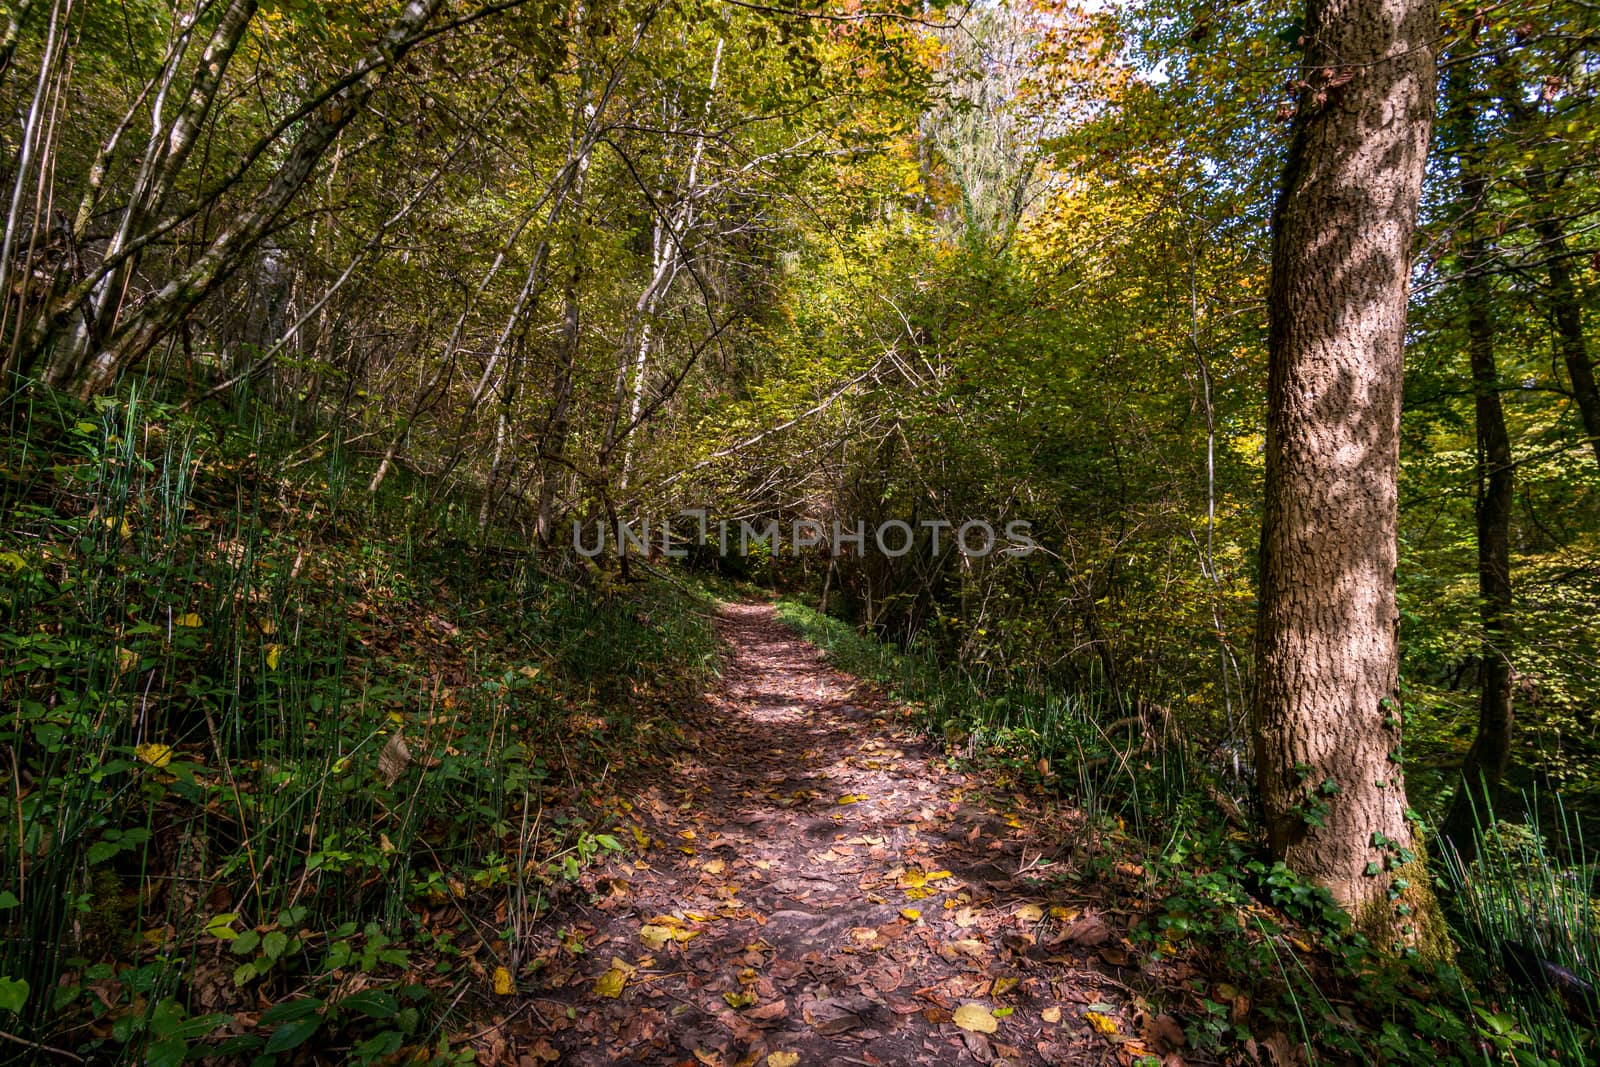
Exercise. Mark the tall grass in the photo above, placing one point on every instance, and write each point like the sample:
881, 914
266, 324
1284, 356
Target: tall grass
253, 741
1528, 918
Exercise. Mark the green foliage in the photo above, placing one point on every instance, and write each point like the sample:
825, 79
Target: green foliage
250, 728
1529, 920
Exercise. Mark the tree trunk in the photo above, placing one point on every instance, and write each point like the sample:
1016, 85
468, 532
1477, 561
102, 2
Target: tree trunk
1325, 713
169, 306
15, 18
1566, 305
167, 152
1491, 748
1567, 310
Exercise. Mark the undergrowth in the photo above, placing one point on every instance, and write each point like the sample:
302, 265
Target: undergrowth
290, 766
1257, 965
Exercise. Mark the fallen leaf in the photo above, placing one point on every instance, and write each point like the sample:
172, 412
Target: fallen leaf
852, 798
1103, 1024
610, 984
188, 619
1003, 985
975, 1017
503, 985
1030, 913
154, 754
782, 1059
911, 914
394, 759
1052, 1014
743, 999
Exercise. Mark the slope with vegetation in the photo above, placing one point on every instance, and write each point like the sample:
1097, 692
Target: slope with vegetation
325, 330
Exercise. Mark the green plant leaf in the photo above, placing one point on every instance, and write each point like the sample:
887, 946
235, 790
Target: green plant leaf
13, 994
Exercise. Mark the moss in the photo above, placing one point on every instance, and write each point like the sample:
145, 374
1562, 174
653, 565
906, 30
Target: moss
1412, 919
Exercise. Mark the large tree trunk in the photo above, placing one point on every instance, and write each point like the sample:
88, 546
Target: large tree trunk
1326, 714
1491, 748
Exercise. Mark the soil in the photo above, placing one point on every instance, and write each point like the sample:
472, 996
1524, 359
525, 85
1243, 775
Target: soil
821, 886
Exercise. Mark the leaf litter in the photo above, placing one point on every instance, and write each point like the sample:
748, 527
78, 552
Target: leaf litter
813, 884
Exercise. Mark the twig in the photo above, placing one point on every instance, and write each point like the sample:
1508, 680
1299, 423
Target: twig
73, 1056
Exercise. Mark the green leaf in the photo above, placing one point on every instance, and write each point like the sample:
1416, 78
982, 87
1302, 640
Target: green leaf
291, 1010
274, 943
374, 1003
13, 994
292, 1035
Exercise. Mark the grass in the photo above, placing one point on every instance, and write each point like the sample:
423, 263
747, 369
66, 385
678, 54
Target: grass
1529, 926
273, 742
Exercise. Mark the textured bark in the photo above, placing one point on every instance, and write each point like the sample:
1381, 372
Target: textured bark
1325, 712
1490, 753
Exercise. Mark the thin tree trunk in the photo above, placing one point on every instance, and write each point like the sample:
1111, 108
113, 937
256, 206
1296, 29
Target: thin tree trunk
167, 152
15, 20
1490, 753
1566, 305
169, 306
30, 138
1325, 712
1566, 308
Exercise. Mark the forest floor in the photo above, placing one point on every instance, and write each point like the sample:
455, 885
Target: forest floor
820, 886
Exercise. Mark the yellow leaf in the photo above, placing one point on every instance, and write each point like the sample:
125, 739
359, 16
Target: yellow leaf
1052, 1014
1004, 985
782, 1059
503, 985
189, 619
714, 866
640, 838
975, 1017
656, 936
1030, 913
911, 914
917, 879
1103, 1024
154, 754
272, 656
852, 798
610, 984
740, 1000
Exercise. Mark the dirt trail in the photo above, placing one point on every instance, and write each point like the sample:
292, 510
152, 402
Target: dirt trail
820, 885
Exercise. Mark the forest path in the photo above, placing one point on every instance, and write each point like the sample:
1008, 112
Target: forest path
820, 888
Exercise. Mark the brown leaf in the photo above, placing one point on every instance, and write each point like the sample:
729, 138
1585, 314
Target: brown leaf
394, 759
1162, 1030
